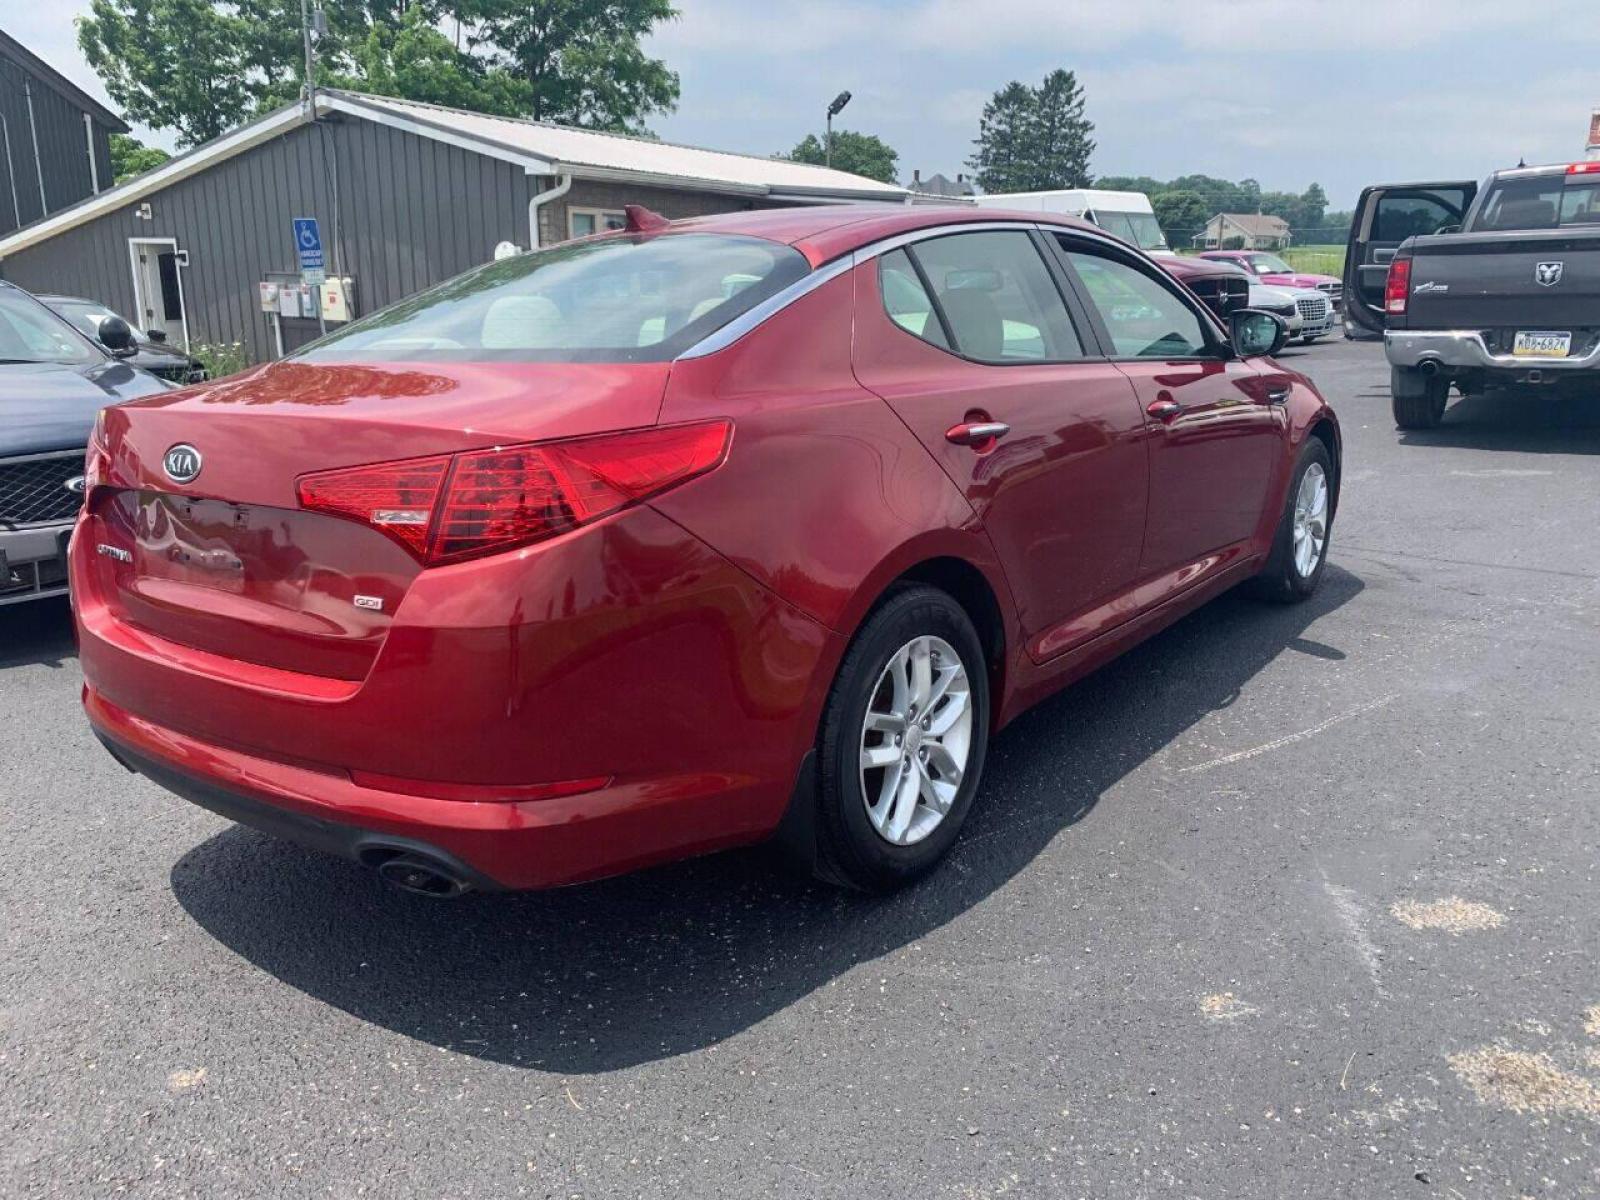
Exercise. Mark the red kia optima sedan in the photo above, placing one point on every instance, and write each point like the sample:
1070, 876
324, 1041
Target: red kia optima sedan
681, 537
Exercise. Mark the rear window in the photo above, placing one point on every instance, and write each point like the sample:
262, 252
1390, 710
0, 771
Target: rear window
1540, 202
617, 299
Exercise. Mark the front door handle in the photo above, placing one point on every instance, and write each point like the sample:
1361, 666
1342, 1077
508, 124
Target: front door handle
1164, 410
1278, 394
976, 433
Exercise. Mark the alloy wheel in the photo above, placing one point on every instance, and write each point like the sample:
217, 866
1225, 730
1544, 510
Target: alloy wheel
1310, 520
916, 740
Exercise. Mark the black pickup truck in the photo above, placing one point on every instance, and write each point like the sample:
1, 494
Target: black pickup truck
1477, 287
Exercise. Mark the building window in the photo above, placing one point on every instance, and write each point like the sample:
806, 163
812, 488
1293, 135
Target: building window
581, 222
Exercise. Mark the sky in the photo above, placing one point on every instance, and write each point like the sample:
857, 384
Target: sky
1340, 92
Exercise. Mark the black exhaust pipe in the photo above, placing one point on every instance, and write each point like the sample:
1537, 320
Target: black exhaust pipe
421, 876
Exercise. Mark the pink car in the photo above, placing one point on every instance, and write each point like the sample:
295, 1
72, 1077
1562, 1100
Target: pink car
1269, 268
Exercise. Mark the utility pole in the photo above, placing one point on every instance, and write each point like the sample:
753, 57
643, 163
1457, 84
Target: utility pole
311, 58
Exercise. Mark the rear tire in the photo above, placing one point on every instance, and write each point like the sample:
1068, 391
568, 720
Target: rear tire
1300, 546
1419, 407
864, 839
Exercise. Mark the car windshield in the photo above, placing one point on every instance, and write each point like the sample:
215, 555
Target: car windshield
1270, 264
640, 298
1142, 229
1540, 202
87, 315
31, 333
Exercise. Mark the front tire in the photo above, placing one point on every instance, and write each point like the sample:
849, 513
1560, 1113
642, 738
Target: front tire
1300, 547
902, 743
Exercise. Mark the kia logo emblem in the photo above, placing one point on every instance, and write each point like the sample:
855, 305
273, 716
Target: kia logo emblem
181, 463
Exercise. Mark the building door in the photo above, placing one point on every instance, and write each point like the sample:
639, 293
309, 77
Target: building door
158, 289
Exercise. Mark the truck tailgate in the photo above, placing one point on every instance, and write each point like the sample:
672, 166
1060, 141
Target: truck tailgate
1540, 279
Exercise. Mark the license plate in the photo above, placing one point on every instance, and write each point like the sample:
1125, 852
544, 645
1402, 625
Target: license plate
1542, 345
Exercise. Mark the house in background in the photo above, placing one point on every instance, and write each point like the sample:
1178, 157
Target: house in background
940, 187
1243, 231
55, 139
406, 195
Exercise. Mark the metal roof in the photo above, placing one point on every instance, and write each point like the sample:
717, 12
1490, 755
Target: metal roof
592, 154
540, 149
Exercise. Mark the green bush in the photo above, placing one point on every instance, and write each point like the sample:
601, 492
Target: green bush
221, 358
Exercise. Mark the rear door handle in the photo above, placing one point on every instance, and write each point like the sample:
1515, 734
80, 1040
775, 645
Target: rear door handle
976, 433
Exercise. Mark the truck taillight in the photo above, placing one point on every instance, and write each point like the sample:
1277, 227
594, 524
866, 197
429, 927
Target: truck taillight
1584, 168
457, 506
1397, 287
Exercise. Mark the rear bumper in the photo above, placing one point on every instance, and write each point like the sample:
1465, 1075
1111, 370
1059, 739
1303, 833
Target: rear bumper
495, 846
33, 562
1466, 349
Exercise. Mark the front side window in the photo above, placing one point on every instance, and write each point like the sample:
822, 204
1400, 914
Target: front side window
643, 298
1144, 318
31, 333
581, 222
998, 298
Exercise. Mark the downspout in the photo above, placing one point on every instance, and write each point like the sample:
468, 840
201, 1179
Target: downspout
94, 167
562, 187
38, 163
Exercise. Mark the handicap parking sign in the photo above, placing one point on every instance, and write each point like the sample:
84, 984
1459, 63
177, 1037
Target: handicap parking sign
308, 243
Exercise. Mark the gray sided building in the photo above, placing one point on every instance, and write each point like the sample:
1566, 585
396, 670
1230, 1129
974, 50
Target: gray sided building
405, 194
55, 139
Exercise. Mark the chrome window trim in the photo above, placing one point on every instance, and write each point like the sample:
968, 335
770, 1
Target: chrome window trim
753, 318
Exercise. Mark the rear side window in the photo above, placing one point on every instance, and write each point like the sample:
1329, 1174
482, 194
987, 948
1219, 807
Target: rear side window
907, 301
1541, 202
1144, 318
620, 299
998, 298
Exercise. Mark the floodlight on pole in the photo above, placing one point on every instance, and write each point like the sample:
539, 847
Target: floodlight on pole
838, 104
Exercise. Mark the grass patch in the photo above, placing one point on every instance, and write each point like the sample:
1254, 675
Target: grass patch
1318, 260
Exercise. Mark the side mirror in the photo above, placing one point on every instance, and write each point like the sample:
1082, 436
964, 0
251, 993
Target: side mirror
1254, 333
156, 335
115, 336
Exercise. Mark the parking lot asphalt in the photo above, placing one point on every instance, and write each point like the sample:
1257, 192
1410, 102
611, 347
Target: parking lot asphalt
1287, 902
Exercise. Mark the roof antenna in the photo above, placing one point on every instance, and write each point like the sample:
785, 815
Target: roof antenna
1522, 163
643, 220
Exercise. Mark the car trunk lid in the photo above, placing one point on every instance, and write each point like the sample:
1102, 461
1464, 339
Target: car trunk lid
229, 562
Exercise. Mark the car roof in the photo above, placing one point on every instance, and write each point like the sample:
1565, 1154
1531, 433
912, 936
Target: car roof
826, 231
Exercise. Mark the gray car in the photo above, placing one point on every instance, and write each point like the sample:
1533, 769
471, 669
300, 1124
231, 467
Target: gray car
53, 383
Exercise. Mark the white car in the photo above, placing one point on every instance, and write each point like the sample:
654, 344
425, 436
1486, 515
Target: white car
1310, 313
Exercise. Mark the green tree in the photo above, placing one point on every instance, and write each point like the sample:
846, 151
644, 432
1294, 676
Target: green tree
858, 153
1313, 205
581, 59
1034, 139
1058, 135
413, 60
200, 67
1181, 214
130, 157
1001, 164
170, 64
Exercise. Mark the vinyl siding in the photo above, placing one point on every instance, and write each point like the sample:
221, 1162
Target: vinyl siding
63, 149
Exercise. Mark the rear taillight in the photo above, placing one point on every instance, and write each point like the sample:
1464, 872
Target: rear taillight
454, 507
1397, 287
1591, 167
